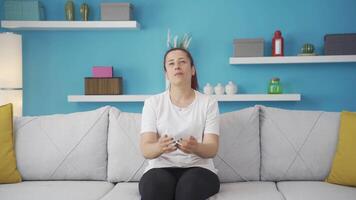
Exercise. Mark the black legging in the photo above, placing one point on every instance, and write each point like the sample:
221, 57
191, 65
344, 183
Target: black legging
193, 183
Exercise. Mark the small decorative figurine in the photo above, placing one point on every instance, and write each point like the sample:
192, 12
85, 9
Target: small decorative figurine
69, 10
84, 11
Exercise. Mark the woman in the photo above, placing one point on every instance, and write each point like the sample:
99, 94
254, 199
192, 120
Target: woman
179, 136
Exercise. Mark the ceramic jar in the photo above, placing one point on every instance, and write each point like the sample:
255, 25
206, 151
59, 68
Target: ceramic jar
231, 88
219, 89
208, 89
274, 86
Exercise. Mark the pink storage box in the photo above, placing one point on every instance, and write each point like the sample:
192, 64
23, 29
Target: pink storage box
102, 71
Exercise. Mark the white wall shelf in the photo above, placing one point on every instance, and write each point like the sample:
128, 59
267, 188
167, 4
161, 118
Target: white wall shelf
293, 59
221, 98
70, 25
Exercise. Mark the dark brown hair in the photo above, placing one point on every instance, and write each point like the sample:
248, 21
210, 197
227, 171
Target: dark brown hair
194, 84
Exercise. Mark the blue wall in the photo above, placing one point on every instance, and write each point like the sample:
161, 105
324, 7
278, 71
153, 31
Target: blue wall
56, 62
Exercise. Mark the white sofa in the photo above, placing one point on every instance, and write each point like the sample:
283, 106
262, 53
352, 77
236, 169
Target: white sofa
265, 153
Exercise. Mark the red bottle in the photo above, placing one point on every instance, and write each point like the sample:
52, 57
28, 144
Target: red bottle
277, 44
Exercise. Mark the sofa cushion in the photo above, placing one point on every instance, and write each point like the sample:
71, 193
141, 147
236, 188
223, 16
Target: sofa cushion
343, 171
311, 190
238, 158
125, 161
8, 169
297, 145
63, 146
228, 191
55, 190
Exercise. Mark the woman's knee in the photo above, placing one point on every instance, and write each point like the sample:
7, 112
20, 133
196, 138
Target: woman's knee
157, 184
197, 183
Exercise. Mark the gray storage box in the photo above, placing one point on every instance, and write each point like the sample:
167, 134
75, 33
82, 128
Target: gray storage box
340, 44
116, 11
249, 47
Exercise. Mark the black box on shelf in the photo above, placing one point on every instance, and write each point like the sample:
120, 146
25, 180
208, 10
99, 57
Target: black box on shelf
103, 86
340, 44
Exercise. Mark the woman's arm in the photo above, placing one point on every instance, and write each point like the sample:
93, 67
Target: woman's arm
207, 149
152, 146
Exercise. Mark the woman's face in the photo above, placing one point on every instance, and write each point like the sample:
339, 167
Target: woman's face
179, 70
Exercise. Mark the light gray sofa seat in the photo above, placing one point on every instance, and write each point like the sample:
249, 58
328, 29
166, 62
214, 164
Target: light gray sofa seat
311, 190
256, 190
123, 191
248, 191
55, 190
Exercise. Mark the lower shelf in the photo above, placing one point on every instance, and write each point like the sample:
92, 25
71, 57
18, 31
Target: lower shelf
221, 98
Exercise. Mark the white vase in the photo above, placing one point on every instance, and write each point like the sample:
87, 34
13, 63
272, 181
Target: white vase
231, 88
219, 89
208, 89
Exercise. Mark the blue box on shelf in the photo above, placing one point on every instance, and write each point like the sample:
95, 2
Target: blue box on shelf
23, 10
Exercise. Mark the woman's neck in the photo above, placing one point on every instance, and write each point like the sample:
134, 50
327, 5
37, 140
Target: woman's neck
181, 96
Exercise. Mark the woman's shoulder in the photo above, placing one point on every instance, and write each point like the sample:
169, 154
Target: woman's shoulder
157, 98
208, 99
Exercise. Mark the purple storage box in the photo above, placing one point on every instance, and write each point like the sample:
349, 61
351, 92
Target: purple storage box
102, 71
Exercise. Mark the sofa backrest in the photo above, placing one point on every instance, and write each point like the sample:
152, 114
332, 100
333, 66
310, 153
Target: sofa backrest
256, 143
63, 146
297, 145
238, 158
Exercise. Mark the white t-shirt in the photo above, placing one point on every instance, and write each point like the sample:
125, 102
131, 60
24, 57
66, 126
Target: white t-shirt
160, 115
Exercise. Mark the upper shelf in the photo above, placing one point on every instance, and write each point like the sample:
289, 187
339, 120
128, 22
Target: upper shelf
293, 59
141, 98
70, 25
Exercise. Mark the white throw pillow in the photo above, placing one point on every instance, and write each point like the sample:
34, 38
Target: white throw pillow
297, 145
125, 161
63, 146
238, 158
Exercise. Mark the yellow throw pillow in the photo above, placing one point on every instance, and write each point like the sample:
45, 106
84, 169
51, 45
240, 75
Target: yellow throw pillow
343, 171
8, 169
